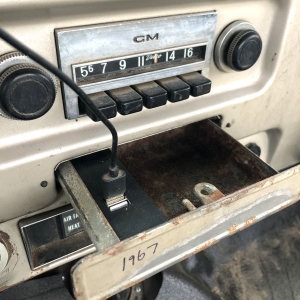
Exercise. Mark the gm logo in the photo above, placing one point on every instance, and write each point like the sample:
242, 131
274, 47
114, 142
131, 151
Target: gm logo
145, 38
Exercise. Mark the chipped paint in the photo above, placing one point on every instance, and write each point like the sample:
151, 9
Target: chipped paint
233, 229
249, 222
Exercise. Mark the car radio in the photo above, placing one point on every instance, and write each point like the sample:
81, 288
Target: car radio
108, 57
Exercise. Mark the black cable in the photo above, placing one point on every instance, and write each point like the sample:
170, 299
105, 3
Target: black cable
68, 81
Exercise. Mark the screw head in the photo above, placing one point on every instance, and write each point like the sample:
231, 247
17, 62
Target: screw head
44, 183
254, 148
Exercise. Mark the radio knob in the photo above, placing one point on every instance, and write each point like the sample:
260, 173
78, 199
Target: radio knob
244, 50
27, 91
238, 47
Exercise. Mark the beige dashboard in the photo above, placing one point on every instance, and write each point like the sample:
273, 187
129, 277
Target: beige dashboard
260, 105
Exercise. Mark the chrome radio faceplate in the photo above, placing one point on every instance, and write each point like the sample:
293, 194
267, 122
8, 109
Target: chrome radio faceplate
109, 56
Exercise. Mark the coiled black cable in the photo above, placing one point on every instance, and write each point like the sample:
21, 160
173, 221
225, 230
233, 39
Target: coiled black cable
68, 81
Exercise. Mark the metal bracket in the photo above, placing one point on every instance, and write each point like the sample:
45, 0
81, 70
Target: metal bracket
207, 192
93, 220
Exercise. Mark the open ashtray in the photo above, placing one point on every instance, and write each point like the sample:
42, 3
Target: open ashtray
169, 165
187, 188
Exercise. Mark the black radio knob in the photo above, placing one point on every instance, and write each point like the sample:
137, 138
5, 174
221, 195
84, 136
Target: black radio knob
238, 47
244, 50
27, 92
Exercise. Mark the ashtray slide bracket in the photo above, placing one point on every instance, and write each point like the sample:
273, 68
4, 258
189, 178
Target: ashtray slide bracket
93, 220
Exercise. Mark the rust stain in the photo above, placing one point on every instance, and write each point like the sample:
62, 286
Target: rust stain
265, 183
178, 219
233, 229
91, 257
209, 209
206, 245
216, 195
3, 288
241, 194
175, 161
129, 285
226, 202
201, 248
143, 236
78, 294
207, 193
285, 206
249, 222
112, 251
176, 222
259, 185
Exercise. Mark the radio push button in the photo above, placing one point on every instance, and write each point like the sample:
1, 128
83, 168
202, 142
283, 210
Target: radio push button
153, 94
127, 99
103, 102
199, 84
176, 88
